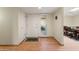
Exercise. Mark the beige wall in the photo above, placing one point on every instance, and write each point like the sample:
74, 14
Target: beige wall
71, 20
68, 20
58, 25
5, 26
75, 21
12, 29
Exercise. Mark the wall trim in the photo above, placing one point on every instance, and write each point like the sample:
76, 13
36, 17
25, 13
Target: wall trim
12, 44
58, 42
25, 39
53, 38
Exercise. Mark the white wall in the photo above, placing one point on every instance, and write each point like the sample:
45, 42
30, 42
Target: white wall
18, 26
58, 25
11, 22
34, 25
49, 22
21, 26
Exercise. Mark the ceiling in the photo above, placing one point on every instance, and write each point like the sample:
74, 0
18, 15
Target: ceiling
68, 13
36, 10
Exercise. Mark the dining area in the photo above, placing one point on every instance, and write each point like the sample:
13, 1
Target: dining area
72, 32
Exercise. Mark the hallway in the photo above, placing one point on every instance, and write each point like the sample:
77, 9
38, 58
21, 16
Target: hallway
18, 23
44, 44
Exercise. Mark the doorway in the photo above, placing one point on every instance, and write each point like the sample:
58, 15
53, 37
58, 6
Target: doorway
43, 28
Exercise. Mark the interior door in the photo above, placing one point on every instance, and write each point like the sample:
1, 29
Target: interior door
43, 28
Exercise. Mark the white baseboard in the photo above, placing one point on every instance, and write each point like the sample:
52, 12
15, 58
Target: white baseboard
62, 44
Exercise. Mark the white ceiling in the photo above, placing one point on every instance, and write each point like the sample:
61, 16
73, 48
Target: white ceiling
67, 11
35, 10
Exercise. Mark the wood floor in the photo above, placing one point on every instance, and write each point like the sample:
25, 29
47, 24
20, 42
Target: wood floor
44, 44
70, 44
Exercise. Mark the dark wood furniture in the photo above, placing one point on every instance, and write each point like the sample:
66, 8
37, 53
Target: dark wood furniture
72, 32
